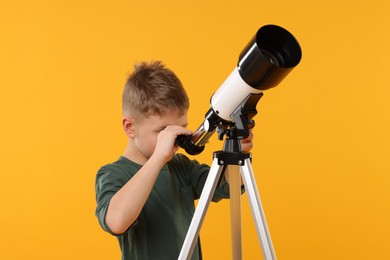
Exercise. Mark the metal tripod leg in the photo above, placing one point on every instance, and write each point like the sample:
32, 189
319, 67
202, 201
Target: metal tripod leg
257, 210
200, 212
235, 211
235, 190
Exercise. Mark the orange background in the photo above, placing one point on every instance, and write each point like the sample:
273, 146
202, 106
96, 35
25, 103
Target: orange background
322, 144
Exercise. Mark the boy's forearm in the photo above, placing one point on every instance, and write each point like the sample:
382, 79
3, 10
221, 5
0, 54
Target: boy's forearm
246, 146
127, 203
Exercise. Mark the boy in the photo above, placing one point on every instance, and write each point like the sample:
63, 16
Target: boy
146, 198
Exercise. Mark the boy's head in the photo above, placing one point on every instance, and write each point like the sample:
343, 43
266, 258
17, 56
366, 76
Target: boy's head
153, 89
153, 99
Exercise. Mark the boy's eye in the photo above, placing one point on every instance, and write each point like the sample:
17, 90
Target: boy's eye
158, 130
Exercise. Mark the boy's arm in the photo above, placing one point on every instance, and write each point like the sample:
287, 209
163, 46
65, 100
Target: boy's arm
246, 145
127, 203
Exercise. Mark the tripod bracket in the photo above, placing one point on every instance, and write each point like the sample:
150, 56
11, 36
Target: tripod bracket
232, 158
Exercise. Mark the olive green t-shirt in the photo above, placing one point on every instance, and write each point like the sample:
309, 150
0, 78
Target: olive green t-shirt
161, 227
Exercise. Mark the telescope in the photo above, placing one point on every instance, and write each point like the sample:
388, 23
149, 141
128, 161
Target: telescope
264, 62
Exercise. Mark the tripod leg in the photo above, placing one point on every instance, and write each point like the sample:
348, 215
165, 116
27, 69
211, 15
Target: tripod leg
235, 211
257, 211
200, 212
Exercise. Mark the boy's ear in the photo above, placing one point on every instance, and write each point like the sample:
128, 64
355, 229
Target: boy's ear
128, 126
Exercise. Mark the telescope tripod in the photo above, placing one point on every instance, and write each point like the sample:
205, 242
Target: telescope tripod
236, 161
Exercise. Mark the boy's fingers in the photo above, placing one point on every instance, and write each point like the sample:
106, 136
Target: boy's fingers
179, 130
248, 139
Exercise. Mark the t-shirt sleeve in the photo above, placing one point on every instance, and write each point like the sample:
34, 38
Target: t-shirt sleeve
108, 182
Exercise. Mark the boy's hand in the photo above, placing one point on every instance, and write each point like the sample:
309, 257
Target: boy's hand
166, 146
247, 144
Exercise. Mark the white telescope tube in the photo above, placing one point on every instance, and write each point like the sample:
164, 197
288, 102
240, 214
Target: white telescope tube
230, 94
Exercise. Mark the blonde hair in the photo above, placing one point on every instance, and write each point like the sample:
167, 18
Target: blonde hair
153, 89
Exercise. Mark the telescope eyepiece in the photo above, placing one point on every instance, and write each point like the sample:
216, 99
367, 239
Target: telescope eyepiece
185, 142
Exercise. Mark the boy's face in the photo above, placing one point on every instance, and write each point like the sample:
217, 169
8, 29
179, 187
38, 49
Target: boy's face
147, 129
